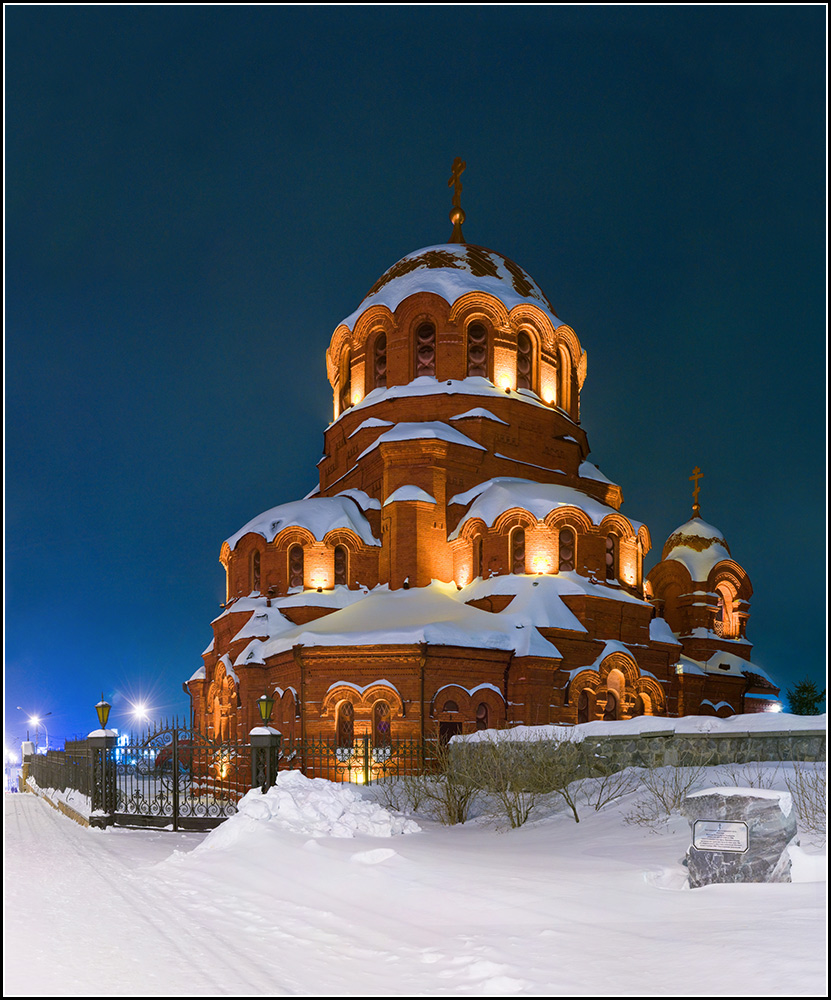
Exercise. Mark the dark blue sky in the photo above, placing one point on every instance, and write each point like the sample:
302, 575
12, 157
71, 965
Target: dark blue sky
196, 196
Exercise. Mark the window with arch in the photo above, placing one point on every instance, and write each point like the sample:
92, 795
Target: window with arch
610, 558
479, 557
524, 361
726, 624
346, 725
481, 716
345, 381
566, 563
380, 360
340, 566
564, 379
296, 566
477, 350
381, 731
610, 711
450, 706
585, 706
425, 361
254, 570
518, 550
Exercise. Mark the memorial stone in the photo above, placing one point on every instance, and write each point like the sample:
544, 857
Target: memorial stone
739, 835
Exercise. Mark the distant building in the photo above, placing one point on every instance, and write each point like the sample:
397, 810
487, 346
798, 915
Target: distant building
462, 565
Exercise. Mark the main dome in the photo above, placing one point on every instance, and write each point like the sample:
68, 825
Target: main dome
451, 270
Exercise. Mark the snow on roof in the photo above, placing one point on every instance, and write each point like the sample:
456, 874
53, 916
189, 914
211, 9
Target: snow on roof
588, 470
427, 385
371, 422
319, 515
209, 648
452, 270
479, 411
225, 660
754, 722
409, 492
659, 631
494, 497
251, 654
265, 621
698, 546
363, 500
536, 601
198, 674
486, 686
413, 431
434, 614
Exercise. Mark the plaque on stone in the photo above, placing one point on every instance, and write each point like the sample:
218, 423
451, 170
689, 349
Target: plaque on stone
739, 835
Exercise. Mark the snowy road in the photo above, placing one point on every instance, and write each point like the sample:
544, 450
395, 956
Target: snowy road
556, 908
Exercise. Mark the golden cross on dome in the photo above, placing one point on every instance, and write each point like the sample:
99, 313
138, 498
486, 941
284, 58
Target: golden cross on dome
697, 474
457, 215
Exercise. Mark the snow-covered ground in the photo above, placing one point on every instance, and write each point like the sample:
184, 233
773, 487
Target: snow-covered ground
312, 890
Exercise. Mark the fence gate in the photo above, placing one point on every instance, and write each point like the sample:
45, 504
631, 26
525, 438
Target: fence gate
176, 776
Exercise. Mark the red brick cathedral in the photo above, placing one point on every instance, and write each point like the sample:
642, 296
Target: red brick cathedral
462, 565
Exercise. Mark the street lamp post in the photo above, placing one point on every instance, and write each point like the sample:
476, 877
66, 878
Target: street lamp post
36, 721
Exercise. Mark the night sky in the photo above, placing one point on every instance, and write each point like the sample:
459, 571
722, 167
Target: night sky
196, 196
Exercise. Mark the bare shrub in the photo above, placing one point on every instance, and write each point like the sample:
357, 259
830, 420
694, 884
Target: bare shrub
807, 785
608, 786
516, 774
452, 792
404, 794
754, 775
665, 789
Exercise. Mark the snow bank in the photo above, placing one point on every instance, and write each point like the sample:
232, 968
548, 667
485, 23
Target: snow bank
759, 722
313, 807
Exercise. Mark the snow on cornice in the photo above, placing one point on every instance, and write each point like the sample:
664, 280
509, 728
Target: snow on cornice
318, 515
409, 493
370, 422
479, 411
427, 385
423, 429
495, 496
362, 499
452, 270
698, 546
198, 674
588, 470
659, 631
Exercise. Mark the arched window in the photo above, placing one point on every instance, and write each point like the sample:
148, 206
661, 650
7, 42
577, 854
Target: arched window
725, 624
610, 558
345, 394
482, 716
380, 360
610, 711
381, 724
479, 556
477, 350
425, 350
518, 550
340, 566
450, 706
564, 380
296, 566
346, 724
566, 550
584, 706
254, 575
524, 361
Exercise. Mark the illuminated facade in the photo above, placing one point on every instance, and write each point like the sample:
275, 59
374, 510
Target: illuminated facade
461, 564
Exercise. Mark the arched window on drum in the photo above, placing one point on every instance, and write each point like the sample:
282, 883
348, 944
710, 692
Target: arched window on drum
425, 359
482, 716
380, 369
518, 550
254, 571
477, 350
566, 563
340, 566
296, 566
524, 361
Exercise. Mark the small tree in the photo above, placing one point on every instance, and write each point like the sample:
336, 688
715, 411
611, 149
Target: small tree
805, 698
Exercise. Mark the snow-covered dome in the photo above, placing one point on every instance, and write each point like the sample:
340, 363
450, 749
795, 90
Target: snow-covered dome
451, 270
698, 545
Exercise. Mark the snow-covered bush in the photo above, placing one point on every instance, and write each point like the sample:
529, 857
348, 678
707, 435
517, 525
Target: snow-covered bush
665, 788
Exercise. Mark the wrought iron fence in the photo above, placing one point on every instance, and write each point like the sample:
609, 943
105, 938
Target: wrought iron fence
177, 777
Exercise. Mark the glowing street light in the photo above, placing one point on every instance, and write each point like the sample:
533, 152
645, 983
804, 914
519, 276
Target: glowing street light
37, 722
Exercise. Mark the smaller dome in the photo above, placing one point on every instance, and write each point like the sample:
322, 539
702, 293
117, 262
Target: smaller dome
699, 546
451, 270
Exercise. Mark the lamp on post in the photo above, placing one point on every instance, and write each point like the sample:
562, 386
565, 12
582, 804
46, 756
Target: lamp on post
265, 747
103, 773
